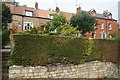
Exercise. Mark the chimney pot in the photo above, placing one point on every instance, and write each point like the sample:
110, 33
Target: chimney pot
78, 9
92, 12
36, 5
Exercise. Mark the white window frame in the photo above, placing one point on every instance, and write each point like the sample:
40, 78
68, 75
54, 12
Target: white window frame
102, 35
109, 26
28, 13
102, 25
50, 16
93, 36
28, 28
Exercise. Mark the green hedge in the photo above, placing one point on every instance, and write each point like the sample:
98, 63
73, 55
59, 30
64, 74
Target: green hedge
42, 50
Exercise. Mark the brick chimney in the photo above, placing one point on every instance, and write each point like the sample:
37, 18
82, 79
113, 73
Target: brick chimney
36, 5
107, 14
78, 9
92, 12
110, 15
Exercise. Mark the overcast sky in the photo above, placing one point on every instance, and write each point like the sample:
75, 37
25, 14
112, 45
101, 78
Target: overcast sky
70, 5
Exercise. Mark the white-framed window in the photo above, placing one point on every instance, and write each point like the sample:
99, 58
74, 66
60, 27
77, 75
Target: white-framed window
109, 26
102, 25
28, 13
54, 31
102, 35
50, 16
93, 35
28, 26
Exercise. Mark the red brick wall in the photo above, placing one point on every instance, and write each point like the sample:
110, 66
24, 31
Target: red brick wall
97, 32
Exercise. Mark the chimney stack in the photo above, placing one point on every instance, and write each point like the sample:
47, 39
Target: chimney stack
36, 5
110, 16
107, 14
78, 9
92, 12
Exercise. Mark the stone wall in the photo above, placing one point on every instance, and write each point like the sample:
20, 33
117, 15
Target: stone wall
19, 20
94, 69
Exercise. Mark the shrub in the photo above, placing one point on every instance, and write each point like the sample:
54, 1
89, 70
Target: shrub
5, 37
42, 50
68, 30
33, 31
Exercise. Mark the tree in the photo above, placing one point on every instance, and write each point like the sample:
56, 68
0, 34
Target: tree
68, 30
84, 22
6, 16
58, 19
57, 9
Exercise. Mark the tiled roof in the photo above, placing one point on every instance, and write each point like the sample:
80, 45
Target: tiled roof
20, 10
68, 15
44, 13
98, 15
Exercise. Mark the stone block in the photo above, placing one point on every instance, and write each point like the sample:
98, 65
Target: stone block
15, 71
12, 76
41, 74
30, 70
24, 71
30, 74
20, 75
36, 70
35, 74
73, 69
93, 75
64, 71
102, 75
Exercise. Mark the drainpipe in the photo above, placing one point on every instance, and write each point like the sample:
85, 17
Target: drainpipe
22, 21
106, 27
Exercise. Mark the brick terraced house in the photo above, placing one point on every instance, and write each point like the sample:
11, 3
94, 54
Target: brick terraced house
106, 27
25, 18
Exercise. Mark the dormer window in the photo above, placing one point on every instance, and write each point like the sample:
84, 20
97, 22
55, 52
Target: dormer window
28, 13
50, 16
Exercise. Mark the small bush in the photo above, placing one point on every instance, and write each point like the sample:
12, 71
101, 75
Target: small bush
33, 31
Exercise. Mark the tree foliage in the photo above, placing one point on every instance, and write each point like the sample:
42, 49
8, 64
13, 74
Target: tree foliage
58, 19
6, 16
57, 9
68, 30
84, 22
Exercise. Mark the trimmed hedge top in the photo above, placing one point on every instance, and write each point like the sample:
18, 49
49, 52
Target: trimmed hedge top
42, 50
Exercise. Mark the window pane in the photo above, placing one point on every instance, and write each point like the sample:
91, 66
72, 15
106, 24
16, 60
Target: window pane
25, 27
28, 13
102, 25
